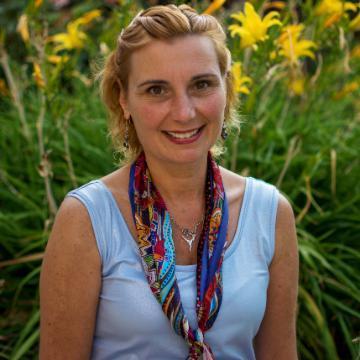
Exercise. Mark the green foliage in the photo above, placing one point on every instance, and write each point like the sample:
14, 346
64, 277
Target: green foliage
53, 137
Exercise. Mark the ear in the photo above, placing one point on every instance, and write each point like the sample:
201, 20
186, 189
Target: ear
124, 103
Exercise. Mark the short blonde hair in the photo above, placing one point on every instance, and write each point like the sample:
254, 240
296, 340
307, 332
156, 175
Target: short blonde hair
162, 23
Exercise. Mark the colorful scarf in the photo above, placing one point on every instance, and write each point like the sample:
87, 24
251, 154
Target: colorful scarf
157, 250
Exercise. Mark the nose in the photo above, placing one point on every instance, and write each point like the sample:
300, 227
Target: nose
183, 108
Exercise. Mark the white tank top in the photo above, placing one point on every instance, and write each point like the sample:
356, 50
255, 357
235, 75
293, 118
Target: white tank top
130, 322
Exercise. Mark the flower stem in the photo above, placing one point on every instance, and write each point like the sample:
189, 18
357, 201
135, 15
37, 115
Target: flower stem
4, 60
45, 168
64, 130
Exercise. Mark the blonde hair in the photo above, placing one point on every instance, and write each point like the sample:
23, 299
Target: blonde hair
158, 22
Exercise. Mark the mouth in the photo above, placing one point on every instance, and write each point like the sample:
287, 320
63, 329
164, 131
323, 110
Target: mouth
184, 135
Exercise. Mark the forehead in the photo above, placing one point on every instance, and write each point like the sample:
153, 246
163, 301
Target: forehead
183, 56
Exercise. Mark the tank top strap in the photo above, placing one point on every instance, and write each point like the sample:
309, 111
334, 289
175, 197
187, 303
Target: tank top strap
100, 207
261, 217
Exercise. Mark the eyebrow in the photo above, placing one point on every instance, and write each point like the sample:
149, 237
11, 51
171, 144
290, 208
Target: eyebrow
163, 82
206, 75
152, 82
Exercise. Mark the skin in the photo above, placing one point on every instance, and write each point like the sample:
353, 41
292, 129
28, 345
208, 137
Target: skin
180, 99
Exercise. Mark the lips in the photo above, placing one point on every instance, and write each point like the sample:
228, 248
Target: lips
184, 137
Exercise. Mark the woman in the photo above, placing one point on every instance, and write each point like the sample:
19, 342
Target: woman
213, 269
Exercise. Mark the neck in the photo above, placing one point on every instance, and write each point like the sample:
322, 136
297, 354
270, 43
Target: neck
179, 181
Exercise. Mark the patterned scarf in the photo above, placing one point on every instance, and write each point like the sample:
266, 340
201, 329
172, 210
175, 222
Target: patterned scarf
157, 250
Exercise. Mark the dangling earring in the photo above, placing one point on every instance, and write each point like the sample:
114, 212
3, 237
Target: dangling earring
224, 133
126, 134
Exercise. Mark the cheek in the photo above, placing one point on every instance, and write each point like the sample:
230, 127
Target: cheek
147, 121
215, 107
148, 115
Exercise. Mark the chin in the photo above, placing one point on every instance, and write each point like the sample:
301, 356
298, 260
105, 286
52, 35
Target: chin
188, 156
179, 154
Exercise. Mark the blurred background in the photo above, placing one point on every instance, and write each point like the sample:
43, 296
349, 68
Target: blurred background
297, 70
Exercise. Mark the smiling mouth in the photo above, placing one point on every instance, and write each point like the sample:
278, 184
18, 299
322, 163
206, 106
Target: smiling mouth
183, 134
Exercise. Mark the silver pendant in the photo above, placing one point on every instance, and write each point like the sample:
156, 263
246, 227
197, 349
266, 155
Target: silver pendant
188, 236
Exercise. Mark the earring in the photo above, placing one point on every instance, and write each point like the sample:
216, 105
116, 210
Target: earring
224, 132
126, 135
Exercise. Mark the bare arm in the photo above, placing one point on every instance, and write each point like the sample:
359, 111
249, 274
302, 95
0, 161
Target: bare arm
276, 338
69, 286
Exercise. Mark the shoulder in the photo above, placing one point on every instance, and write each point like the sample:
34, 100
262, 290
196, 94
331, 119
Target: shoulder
285, 214
118, 182
230, 177
286, 240
72, 230
234, 185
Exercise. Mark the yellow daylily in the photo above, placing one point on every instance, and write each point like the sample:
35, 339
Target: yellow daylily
215, 5
74, 38
297, 85
334, 10
347, 89
56, 59
327, 7
39, 79
291, 47
23, 28
355, 52
88, 17
253, 29
279, 5
332, 19
240, 80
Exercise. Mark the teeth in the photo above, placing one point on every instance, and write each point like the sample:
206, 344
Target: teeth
186, 135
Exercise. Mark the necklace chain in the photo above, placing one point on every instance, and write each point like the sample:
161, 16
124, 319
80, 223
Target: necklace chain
187, 234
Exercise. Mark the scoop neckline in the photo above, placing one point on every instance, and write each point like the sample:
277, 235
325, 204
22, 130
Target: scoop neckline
192, 267
238, 232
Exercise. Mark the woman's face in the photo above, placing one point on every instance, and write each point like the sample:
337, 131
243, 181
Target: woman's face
176, 97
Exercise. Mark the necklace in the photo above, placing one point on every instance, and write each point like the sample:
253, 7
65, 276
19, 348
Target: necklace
187, 234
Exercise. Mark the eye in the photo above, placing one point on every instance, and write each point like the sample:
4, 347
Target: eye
202, 84
156, 90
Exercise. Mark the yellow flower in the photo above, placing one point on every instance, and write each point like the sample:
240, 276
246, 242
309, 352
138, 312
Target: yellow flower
56, 59
291, 47
355, 23
355, 52
74, 38
88, 17
23, 28
38, 76
38, 3
253, 28
347, 89
327, 7
332, 19
334, 10
297, 85
240, 80
279, 5
215, 5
